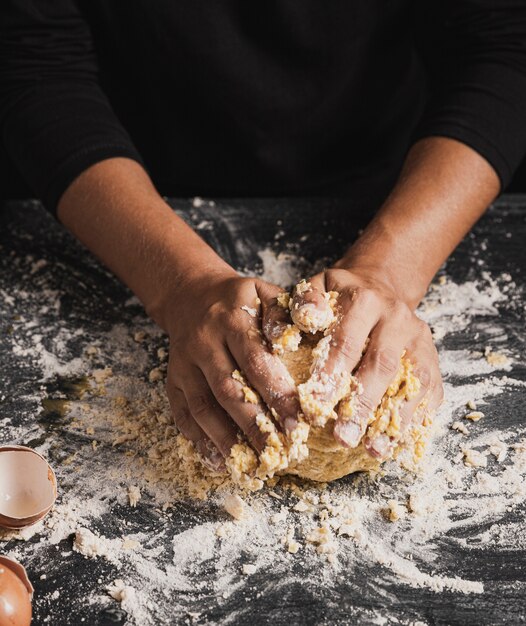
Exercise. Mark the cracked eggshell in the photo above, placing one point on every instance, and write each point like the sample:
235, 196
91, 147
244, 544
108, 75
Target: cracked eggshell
18, 569
16, 593
28, 487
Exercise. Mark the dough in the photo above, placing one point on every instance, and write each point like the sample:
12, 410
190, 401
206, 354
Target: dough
312, 451
327, 459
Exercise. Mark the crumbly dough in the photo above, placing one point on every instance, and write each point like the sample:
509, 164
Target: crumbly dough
328, 460
311, 451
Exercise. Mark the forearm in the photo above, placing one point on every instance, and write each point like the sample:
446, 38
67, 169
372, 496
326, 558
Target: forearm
114, 209
444, 188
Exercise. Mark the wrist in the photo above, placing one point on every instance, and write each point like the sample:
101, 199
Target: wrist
378, 256
187, 286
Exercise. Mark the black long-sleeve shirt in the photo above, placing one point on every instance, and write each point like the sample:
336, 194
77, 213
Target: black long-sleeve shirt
266, 97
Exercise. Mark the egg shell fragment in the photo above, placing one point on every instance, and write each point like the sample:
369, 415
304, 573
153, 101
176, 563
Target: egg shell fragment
16, 593
18, 569
28, 487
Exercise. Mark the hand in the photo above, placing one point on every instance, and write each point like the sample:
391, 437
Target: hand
214, 325
374, 328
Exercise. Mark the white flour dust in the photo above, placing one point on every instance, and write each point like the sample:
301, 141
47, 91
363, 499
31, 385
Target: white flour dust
326, 529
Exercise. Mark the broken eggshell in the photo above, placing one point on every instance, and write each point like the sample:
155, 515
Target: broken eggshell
28, 487
18, 569
16, 593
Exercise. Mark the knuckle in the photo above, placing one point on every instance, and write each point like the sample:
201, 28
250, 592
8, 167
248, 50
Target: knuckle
257, 362
366, 297
225, 442
217, 315
254, 434
424, 376
348, 348
401, 311
366, 403
182, 419
200, 404
386, 361
226, 390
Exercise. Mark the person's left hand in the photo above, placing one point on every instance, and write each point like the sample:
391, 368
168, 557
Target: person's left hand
374, 328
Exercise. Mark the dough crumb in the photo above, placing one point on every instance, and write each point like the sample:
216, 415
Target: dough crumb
293, 547
252, 312
474, 458
462, 428
155, 375
495, 358
89, 544
134, 495
471, 404
119, 591
302, 506
395, 511
498, 449
235, 506
139, 336
474, 416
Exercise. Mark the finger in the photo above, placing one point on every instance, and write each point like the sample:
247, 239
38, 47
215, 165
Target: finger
236, 398
418, 406
207, 412
424, 358
187, 425
425, 372
382, 445
437, 397
275, 319
378, 367
338, 355
310, 307
268, 375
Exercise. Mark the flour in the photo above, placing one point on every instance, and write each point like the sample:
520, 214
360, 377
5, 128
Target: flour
207, 552
283, 268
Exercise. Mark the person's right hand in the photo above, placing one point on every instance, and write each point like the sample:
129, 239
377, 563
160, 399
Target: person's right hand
212, 334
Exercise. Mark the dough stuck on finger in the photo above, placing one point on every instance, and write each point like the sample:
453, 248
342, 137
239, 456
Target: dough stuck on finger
310, 310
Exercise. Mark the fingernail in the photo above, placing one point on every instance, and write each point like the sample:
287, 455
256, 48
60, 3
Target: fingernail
379, 447
290, 424
348, 433
211, 458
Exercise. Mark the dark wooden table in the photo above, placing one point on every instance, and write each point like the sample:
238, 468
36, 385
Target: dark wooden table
92, 300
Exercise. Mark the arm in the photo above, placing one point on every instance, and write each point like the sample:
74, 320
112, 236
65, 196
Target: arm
470, 140
444, 188
195, 296
60, 131
386, 272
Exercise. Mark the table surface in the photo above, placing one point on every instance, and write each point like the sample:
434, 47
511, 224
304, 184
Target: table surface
40, 264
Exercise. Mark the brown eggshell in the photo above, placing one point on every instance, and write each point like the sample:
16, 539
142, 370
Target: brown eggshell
28, 487
19, 570
16, 593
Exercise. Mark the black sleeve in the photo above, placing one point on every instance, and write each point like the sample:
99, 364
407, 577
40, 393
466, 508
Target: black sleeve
55, 121
475, 52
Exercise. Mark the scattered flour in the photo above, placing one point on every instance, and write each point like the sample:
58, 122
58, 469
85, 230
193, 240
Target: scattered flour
467, 483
